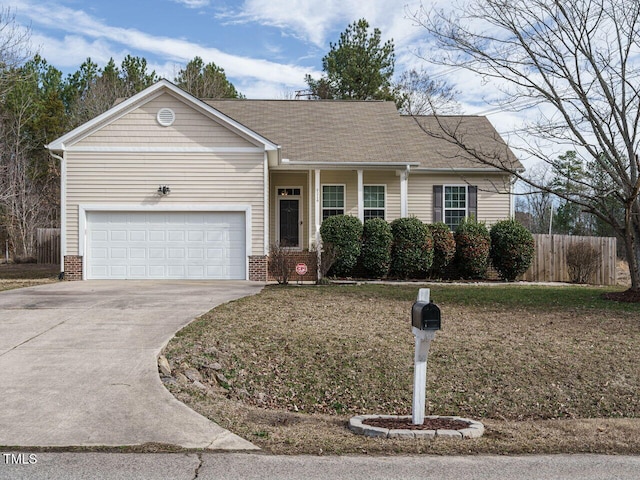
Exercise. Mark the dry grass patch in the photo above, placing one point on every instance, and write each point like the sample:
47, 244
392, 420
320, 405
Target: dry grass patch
26, 275
546, 369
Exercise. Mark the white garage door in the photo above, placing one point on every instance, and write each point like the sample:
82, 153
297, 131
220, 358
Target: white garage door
189, 245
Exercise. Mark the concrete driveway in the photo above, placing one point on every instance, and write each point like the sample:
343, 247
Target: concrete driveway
78, 363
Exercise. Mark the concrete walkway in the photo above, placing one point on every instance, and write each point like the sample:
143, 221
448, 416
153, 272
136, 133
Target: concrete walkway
78, 363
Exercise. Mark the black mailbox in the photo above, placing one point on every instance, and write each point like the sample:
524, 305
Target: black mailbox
425, 316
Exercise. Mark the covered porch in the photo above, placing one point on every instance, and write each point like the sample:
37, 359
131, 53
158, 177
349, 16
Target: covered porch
300, 199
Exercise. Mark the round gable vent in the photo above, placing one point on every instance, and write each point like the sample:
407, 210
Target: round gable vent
166, 117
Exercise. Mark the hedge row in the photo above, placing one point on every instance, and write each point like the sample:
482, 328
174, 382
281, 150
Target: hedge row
408, 248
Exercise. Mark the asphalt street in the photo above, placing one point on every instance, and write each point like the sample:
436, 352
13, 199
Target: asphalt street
248, 466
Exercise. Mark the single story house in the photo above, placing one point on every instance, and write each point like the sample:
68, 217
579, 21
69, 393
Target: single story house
165, 185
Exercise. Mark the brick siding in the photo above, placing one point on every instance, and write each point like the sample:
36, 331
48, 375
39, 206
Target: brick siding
309, 258
72, 267
258, 268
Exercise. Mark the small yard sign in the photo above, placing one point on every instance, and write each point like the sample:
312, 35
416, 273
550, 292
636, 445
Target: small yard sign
301, 269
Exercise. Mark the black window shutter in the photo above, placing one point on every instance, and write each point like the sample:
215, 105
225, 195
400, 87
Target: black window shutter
473, 202
437, 203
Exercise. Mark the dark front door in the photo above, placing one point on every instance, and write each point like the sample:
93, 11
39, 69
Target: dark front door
289, 222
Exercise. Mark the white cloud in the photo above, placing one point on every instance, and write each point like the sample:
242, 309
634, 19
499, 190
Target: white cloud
314, 21
194, 3
87, 36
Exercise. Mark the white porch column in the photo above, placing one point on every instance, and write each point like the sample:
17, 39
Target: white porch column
360, 195
404, 193
266, 205
310, 200
317, 219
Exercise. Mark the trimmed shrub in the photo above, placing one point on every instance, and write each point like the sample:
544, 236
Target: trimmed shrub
412, 248
444, 248
472, 249
582, 261
376, 247
512, 249
343, 234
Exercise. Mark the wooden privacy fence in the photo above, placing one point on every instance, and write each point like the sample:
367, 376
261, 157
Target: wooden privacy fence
48, 245
550, 260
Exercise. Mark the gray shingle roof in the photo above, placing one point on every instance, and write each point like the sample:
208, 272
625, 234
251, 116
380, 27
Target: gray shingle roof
462, 141
358, 131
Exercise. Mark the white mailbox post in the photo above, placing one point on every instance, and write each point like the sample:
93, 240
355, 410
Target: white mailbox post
424, 326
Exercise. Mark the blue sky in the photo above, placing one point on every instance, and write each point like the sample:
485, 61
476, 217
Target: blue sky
265, 46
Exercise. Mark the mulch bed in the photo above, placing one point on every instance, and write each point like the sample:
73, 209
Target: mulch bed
631, 296
405, 424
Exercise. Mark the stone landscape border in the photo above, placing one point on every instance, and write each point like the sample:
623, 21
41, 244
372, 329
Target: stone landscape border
356, 425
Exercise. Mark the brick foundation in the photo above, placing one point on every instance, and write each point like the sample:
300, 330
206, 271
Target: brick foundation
309, 258
72, 267
258, 268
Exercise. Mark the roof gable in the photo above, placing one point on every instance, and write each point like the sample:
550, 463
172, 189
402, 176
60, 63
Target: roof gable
149, 94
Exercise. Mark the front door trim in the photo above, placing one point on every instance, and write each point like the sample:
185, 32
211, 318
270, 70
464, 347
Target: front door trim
300, 211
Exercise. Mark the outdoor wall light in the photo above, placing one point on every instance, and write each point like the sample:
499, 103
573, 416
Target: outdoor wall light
164, 190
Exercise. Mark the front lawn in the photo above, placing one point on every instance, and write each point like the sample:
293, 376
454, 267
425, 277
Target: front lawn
15, 275
547, 369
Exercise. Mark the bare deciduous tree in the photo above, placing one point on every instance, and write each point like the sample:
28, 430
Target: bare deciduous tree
420, 94
578, 62
14, 46
22, 198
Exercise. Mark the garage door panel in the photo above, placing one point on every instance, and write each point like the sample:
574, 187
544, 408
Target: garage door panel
118, 235
157, 235
175, 235
118, 271
118, 253
137, 236
157, 271
156, 253
198, 245
135, 253
176, 253
138, 271
195, 236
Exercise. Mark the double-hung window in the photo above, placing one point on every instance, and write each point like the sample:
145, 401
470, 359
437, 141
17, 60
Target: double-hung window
332, 200
454, 203
374, 201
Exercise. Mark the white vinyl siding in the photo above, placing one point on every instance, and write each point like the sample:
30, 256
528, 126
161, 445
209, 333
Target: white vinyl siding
140, 128
493, 198
194, 178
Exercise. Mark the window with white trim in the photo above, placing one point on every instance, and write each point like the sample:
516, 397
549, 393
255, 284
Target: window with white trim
374, 201
332, 200
455, 205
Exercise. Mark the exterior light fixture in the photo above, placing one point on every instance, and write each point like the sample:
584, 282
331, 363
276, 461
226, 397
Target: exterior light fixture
164, 190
